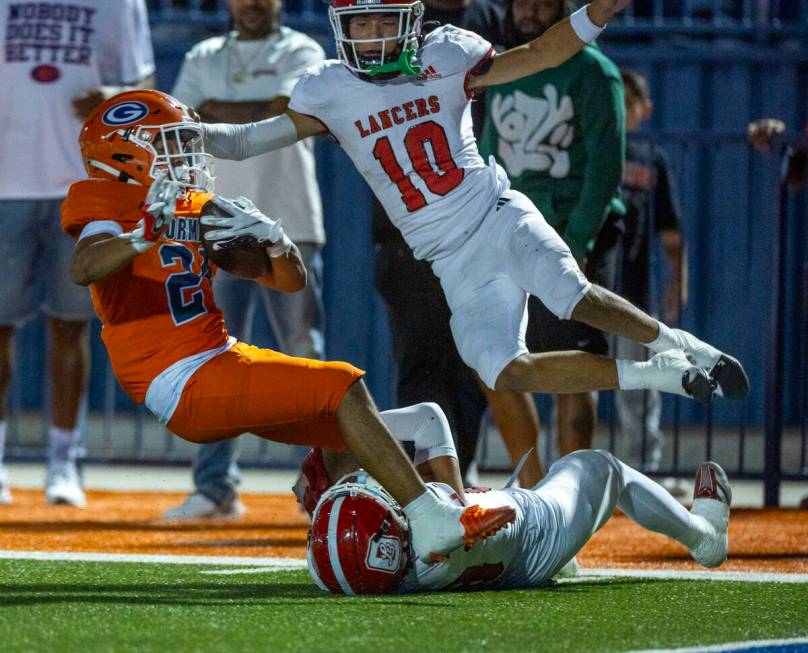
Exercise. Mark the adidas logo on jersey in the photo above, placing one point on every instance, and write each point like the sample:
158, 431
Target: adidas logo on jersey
429, 74
412, 110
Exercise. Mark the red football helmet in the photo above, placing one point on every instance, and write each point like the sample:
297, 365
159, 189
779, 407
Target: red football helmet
359, 542
135, 135
410, 17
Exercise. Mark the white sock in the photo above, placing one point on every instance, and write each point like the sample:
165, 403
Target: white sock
632, 375
665, 340
63, 444
2, 441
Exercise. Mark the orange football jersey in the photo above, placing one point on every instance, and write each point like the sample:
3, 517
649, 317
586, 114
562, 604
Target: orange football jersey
158, 309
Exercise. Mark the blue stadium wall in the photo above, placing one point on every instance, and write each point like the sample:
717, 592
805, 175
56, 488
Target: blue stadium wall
704, 93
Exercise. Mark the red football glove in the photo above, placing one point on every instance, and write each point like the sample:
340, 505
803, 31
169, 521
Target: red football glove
313, 480
159, 206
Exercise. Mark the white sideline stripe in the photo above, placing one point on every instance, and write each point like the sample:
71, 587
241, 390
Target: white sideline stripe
252, 570
729, 646
672, 574
258, 565
275, 563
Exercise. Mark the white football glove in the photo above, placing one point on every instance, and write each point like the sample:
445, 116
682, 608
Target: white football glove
159, 206
158, 211
246, 225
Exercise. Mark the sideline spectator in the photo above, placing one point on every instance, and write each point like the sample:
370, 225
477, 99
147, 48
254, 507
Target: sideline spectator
429, 367
560, 135
244, 76
650, 195
61, 60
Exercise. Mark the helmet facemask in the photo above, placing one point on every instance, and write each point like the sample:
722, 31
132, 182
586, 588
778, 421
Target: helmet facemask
178, 151
389, 61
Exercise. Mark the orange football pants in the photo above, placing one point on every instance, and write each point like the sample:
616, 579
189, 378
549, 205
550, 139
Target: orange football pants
252, 390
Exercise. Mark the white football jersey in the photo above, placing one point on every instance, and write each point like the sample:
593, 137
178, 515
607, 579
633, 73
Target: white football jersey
525, 553
411, 139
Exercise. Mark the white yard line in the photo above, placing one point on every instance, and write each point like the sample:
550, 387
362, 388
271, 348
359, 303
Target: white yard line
672, 574
732, 646
274, 563
261, 565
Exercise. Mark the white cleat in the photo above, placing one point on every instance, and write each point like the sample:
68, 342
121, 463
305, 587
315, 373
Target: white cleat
5, 490
63, 485
674, 373
198, 506
712, 497
727, 372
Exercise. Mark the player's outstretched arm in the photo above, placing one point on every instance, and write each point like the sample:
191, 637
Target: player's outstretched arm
562, 41
239, 142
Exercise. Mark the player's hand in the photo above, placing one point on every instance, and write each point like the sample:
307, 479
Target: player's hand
761, 132
245, 224
84, 104
601, 11
159, 206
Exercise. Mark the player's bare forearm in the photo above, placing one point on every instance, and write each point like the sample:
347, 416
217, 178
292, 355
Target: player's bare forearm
288, 273
443, 469
305, 125
98, 257
551, 49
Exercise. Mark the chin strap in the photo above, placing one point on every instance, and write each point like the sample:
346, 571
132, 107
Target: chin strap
404, 64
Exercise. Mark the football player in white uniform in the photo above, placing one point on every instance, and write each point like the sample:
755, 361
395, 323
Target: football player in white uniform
399, 105
359, 539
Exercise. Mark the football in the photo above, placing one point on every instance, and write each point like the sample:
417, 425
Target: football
247, 259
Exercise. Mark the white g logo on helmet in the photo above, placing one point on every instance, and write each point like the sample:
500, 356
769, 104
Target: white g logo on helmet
124, 113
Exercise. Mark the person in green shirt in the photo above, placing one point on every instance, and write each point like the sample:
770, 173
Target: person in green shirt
560, 135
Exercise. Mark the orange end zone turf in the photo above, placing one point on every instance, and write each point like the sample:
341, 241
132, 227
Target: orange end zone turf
128, 522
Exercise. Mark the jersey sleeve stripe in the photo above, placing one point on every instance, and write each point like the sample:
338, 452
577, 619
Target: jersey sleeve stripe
100, 227
478, 69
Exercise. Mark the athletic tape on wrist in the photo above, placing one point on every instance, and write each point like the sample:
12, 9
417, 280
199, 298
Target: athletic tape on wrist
583, 26
283, 246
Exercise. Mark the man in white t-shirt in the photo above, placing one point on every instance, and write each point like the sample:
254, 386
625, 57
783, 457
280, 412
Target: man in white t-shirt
244, 76
60, 59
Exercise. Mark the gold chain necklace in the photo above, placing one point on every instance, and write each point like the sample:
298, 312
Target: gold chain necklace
240, 75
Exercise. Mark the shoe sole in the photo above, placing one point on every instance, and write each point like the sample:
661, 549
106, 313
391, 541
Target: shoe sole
480, 523
728, 373
702, 490
701, 387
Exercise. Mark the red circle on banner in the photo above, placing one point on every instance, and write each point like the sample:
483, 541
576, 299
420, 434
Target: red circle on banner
46, 74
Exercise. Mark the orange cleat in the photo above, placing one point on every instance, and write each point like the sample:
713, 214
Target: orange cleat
479, 522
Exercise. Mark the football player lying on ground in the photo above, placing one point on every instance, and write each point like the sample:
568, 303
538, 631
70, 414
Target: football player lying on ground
359, 541
399, 105
139, 247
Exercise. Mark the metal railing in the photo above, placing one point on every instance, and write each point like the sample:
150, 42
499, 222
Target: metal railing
756, 20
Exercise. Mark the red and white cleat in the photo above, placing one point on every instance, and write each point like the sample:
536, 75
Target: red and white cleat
712, 497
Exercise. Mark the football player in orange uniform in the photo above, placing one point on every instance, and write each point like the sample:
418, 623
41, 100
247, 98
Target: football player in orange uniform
137, 224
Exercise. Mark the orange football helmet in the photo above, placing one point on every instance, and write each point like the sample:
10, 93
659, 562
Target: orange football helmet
137, 134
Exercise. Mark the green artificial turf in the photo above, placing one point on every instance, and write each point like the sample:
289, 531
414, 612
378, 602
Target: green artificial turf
99, 606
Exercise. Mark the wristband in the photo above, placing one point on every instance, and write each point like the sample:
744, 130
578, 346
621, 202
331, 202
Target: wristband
583, 26
137, 241
283, 246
